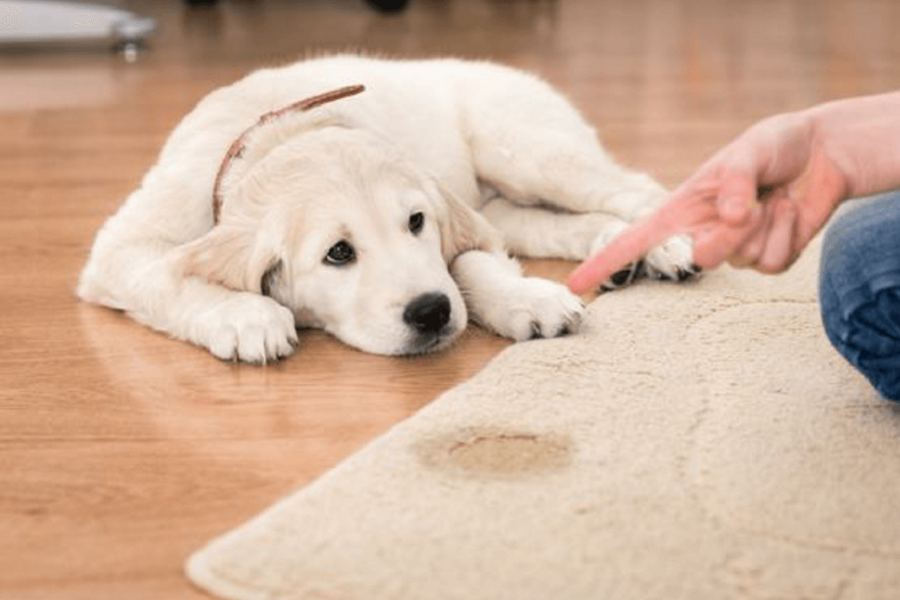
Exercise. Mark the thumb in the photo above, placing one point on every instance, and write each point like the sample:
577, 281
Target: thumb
737, 198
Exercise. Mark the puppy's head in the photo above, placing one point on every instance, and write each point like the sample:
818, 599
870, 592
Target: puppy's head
342, 229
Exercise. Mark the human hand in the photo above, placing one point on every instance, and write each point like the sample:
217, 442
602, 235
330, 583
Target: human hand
756, 203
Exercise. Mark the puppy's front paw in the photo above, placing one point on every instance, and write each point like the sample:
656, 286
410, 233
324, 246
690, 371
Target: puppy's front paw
537, 308
247, 327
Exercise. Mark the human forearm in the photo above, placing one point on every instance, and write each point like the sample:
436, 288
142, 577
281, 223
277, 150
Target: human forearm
862, 137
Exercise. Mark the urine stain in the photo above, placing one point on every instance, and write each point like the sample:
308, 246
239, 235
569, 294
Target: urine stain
496, 452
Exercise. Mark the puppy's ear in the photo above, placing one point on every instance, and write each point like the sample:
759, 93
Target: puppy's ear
463, 228
232, 256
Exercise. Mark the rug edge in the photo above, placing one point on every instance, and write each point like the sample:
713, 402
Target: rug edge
198, 572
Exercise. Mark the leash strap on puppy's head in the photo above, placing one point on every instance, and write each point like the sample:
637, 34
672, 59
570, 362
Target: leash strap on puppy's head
239, 145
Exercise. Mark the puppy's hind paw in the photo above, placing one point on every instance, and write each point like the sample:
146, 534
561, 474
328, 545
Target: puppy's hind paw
627, 274
683, 273
625, 277
673, 260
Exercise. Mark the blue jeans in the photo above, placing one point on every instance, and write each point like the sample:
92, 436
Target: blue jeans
859, 289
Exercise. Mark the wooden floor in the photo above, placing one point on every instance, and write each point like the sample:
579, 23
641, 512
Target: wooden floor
122, 451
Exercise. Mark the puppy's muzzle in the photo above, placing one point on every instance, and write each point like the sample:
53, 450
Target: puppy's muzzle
428, 313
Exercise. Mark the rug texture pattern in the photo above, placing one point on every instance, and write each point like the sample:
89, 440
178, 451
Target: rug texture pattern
698, 441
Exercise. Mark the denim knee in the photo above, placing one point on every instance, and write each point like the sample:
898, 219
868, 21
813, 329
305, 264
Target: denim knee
859, 289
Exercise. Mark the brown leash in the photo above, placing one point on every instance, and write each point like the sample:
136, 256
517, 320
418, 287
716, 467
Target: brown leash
239, 145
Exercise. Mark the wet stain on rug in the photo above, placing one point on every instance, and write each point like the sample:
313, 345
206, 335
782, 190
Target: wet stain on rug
491, 452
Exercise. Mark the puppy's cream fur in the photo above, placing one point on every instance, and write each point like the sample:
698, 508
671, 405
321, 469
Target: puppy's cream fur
489, 157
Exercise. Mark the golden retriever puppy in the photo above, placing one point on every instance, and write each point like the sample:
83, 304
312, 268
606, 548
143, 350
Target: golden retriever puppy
374, 199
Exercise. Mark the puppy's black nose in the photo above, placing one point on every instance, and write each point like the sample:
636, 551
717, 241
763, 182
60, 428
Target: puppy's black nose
428, 313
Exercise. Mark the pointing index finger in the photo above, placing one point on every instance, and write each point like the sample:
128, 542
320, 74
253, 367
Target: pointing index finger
626, 248
689, 208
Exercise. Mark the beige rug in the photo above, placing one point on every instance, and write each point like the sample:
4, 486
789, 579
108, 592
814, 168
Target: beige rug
696, 442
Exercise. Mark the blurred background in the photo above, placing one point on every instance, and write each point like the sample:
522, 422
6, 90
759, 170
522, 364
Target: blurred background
665, 81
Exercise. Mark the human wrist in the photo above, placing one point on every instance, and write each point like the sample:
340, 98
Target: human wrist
833, 151
861, 138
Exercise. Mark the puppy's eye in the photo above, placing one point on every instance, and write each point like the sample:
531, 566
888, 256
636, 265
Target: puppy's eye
416, 222
340, 254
